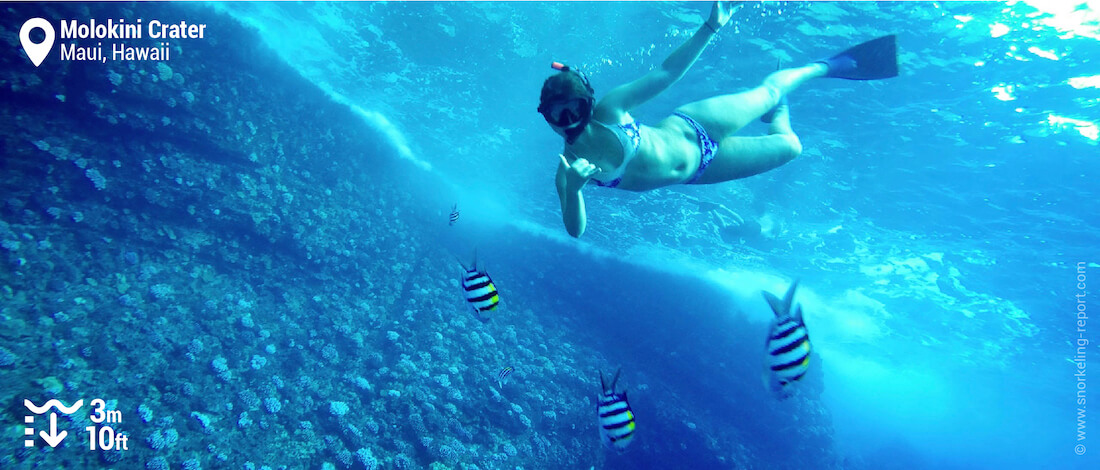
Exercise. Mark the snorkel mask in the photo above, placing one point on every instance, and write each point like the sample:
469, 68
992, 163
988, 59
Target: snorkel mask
568, 109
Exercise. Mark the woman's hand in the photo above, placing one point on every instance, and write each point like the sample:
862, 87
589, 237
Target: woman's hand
720, 14
577, 174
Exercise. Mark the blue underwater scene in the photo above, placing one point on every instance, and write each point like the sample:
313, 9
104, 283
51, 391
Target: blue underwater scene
243, 236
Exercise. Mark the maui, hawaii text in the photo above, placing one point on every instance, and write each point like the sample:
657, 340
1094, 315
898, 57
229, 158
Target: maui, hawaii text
120, 29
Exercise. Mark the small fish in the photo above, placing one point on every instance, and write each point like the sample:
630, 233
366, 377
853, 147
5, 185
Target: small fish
504, 373
454, 214
788, 348
616, 419
480, 291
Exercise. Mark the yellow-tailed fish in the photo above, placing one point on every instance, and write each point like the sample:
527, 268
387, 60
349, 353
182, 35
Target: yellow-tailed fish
787, 349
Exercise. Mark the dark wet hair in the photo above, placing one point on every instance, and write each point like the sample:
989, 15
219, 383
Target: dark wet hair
565, 85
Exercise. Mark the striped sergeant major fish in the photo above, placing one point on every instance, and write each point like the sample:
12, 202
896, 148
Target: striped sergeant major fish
616, 418
788, 345
504, 373
480, 291
454, 214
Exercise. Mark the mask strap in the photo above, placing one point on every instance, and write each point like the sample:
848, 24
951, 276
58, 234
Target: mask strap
565, 68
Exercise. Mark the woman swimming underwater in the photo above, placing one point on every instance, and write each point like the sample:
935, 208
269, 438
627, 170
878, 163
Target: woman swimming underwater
695, 145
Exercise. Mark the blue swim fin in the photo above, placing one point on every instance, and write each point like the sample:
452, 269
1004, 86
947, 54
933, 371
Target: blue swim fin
872, 60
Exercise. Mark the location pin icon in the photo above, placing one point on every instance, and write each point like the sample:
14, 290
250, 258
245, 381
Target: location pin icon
36, 52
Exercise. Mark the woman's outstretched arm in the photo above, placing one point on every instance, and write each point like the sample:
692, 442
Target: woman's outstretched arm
628, 96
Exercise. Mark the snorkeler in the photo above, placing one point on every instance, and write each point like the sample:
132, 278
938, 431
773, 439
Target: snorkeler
695, 145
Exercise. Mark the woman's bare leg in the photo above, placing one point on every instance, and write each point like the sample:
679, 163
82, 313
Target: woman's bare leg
721, 116
724, 115
741, 157
781, 119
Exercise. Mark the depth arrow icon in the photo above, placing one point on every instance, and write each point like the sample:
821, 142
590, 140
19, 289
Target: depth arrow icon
53, 438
